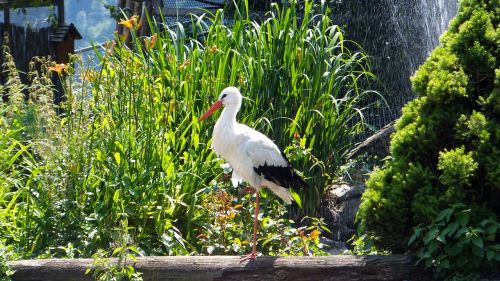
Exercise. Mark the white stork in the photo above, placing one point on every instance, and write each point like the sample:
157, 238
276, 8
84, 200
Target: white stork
253, 157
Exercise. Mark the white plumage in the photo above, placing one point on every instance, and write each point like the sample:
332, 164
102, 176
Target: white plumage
244, 148
253, 156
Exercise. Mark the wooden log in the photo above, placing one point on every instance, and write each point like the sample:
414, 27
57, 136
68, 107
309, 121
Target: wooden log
211, 268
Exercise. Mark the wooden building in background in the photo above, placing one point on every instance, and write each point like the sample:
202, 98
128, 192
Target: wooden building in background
63, 41
55, 40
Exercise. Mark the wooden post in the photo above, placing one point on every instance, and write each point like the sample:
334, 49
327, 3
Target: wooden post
228, 268
6, 16
60, 11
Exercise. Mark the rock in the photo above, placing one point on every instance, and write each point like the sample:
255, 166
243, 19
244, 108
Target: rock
339, 209
334, 247
345, 192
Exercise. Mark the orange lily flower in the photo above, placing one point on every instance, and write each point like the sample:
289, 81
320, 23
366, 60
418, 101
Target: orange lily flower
214, 49
130, 23
296, 136
314, 234
151, 42
59, 68
89, 75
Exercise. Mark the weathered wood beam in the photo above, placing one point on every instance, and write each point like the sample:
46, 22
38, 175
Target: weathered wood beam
6, 16
60, 11
210, 268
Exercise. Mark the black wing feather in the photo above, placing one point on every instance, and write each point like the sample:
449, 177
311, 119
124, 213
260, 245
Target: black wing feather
284, 176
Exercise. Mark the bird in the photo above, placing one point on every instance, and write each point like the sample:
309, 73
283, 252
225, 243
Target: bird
254, 158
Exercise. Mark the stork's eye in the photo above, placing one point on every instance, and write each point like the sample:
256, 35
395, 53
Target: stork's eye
223, 96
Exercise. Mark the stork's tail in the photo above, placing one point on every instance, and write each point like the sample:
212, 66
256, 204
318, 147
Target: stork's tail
283, 193
298, 181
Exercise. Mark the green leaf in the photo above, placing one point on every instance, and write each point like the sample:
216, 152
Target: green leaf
117, 157
448, 231
476, 240
119, 145
444, 214
117, 250
463, 218
325, 228
445, 264
461, 232
431, 235
491, 228
116, 196
98, 155
134, 249
489, 255
477, 251
452, 249
415, 235
432, 247
296, 197
497, 257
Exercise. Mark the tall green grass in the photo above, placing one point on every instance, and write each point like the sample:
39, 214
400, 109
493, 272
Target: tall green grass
299, 79
127, 163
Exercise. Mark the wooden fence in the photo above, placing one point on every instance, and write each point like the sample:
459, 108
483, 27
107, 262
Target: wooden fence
26, 43
210, 268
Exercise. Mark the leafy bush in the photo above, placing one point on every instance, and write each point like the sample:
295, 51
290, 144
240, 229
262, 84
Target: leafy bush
230, 223
5, 270
453, 242
444, 152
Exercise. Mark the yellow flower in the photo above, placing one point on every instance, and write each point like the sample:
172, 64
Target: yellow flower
89, 75
126, 23
131, 22
59, 68
314, 234
151, 42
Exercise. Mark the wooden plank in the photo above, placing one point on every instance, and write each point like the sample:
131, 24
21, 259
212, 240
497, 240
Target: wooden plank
211, 268
6, 16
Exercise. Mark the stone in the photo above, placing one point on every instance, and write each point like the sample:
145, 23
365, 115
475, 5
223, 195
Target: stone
339, 208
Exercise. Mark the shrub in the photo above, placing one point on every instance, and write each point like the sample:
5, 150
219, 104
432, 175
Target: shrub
230, 221
459, 241
5, 271
445, 151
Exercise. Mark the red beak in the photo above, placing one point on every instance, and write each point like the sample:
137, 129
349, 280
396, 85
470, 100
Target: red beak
218, 104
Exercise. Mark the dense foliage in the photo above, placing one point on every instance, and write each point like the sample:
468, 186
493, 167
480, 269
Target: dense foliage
445, 152
122, 167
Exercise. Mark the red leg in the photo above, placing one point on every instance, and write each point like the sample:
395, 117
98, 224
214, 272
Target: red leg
253, 254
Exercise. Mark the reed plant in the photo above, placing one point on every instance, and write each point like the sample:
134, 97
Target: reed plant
124, 156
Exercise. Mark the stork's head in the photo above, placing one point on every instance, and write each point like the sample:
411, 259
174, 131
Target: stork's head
229, 97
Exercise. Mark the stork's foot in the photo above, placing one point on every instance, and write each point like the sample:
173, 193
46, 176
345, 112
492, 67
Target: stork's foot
251, 256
